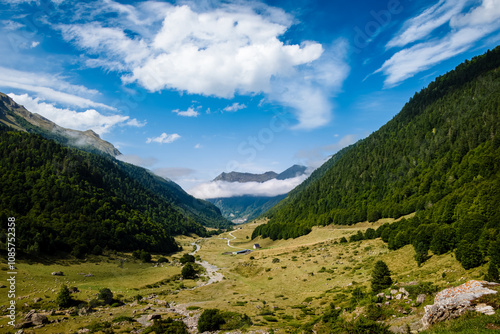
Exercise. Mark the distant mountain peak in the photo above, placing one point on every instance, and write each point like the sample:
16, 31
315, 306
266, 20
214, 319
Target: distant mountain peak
18, 117
246, 177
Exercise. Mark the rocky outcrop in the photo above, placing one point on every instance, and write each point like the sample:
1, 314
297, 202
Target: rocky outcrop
453, 302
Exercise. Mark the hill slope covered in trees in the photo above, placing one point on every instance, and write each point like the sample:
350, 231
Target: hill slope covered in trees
68, 200
439, 157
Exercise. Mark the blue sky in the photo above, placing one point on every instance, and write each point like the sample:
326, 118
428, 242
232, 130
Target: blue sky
190, 89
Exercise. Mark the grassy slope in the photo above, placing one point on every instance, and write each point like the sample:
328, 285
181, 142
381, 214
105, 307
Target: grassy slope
250, 286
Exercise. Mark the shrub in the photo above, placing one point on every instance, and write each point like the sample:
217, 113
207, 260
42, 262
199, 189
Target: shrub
276, 260
210, 320
186, 258
188, 271
105, 295
163, 260
167, 326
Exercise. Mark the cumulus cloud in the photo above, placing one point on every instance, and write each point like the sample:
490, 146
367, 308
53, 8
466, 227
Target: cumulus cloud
463, 31
164, 138
216, 189
85, 120
234, 107
187, 113
216, 49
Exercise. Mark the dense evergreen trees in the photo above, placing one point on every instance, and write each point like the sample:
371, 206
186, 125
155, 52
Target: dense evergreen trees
73, 201
439, 157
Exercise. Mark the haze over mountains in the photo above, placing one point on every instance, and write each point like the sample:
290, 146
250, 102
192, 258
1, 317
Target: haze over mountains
244, 196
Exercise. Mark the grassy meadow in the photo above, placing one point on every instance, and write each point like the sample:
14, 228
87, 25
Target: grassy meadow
283, 285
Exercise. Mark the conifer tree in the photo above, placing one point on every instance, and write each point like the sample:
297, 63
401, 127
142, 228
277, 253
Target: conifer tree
381, 277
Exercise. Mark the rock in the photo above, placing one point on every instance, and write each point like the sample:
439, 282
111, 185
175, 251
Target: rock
2, 286
453, 302
153, 316
381, 295
403, 291
399, 296
393, 291
88, 275
485, 309
421, 298
37, 299
39, 319
84, 330
57, 273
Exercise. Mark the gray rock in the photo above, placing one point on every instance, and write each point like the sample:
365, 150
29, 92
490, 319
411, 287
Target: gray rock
421, 298
453, 302
153, 316
57, 273
399, 296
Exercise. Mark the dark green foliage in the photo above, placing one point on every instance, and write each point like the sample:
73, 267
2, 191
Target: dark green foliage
72, 201
167, 326
142, 255
439, 157
210, 320
492, 275
64, 298
381, 277
468, 254
187, 258
163, 260
105, 296
331, 315
188, 271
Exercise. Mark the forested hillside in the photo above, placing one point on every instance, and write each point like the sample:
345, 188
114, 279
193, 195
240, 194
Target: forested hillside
68, 200
439, 157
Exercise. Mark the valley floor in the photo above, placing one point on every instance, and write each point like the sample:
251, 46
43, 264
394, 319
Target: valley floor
282, 286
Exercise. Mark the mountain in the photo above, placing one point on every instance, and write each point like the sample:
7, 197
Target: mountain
439, 157
17, 117
240, 209
245, 177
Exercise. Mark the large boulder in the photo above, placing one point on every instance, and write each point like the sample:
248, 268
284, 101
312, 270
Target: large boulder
453, 302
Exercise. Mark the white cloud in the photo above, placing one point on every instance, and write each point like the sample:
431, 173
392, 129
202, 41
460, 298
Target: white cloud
9, 25
50, 87
421, 26
88, 119
164, 138
198, 146
465, 29
216, 189
214, 49
187, 113
136, 123
318, 156
137, 160
34, 44
234, 107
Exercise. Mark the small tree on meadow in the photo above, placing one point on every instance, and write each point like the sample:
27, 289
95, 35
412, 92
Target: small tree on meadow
492, 275
381, 277
64, 298
188, 271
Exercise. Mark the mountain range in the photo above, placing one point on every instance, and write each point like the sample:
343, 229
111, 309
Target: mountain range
70, 193
438, 158
243, 208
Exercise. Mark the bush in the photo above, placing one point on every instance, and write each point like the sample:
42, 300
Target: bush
142, 255
163, 260
188, 271
276, 260
210, 320
186, 258
167, 326
105, 295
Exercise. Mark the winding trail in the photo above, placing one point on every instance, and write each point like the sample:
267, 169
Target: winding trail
213, 275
